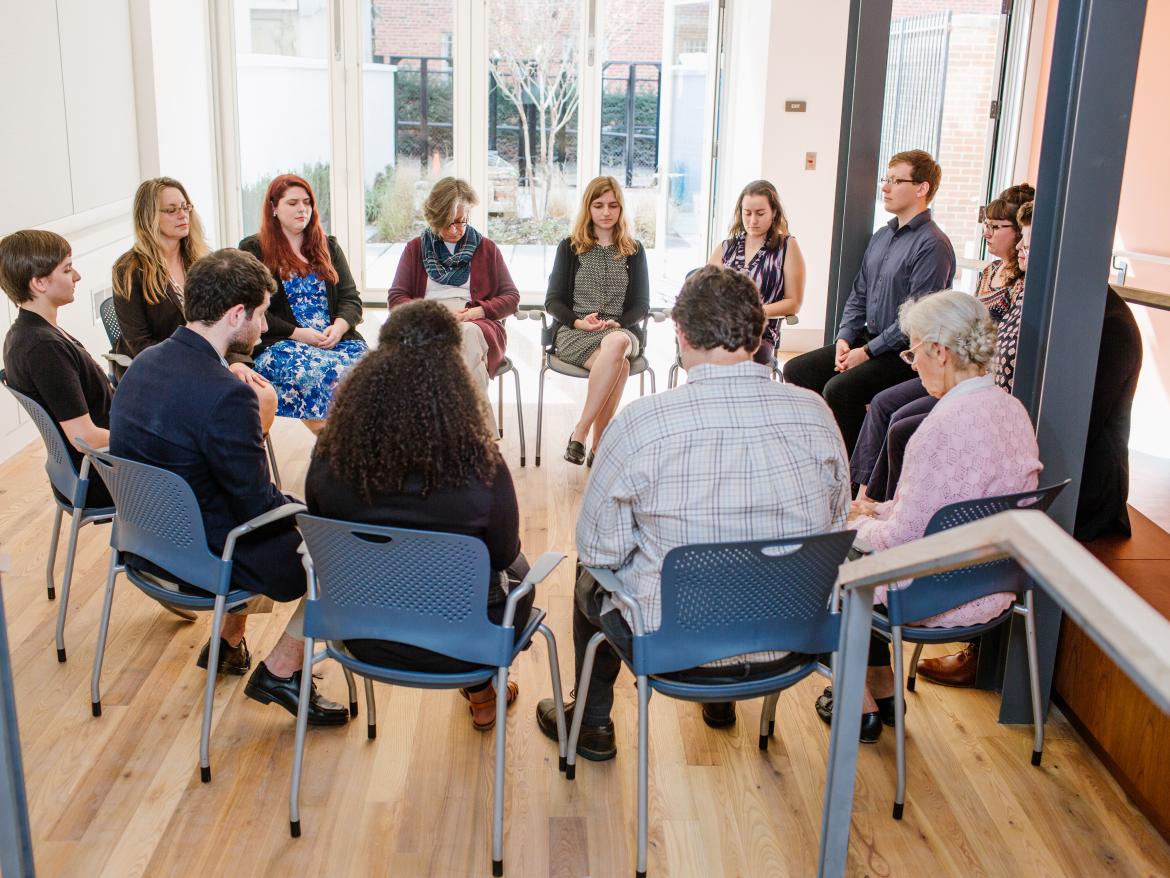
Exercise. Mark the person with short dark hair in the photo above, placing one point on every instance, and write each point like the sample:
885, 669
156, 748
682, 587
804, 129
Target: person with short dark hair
729, 456
906, 259
41, 359
390, 456
181, 409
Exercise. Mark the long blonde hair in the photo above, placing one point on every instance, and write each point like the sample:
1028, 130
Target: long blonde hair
147, 255
584, 237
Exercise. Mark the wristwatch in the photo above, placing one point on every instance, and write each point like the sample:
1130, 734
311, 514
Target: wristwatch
868, 352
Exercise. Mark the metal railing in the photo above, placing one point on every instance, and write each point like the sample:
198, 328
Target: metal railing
916, 81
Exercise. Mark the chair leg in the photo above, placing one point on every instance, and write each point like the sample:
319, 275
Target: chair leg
768, 718
1034, 679
653, 388
899, 724
519, 415
500, 408
540, 409
643, 770
67, 580
294, 795
371, 711
912, 677
554, 668
352, 687
672, 376
501, 749
209, 689
95, 682
642, 384
54, 540
272, 460
579, 706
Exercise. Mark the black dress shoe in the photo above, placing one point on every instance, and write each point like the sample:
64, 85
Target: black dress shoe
871, 723
886, 710
595, 743
575, 452
267, 688
589, 459
232, 659
719, 714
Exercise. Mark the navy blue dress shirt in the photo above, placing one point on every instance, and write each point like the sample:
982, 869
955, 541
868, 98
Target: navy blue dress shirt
900, 263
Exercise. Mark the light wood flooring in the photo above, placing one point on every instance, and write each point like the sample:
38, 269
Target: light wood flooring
120, 795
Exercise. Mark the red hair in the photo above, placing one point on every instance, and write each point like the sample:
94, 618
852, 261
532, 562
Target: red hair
278, 253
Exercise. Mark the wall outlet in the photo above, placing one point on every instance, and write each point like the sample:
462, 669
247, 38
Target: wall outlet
810, 161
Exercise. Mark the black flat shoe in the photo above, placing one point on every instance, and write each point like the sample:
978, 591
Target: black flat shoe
267, 688
575, 452
871, 723
886, 710
595, 743
719, 714
589, 459
232, 659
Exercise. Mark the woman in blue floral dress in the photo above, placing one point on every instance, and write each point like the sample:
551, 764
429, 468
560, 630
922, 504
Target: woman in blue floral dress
312, 336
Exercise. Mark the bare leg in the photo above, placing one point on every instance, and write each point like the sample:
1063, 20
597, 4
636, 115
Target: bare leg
605, 367
286, 657
611, 404
879, 683
232, 629
266, 396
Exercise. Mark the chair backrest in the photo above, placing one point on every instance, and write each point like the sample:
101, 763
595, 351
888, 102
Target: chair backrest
58, 462
727, 599
110, 321
930, 595
424, 588
159, 520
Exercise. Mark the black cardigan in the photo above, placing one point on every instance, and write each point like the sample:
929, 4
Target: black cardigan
344, 300
561, 283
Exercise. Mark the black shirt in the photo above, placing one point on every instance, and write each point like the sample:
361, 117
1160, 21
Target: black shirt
54, 369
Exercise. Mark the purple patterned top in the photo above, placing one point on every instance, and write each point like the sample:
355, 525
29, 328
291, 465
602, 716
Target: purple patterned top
766, 269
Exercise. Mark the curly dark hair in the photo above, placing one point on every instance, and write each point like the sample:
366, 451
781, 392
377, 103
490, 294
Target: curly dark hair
220, 281
409, 408
720, 308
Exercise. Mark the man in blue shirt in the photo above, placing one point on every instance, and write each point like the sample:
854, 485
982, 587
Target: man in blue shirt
906, 259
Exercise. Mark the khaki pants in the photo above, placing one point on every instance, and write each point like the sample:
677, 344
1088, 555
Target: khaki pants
475, 351
295, 627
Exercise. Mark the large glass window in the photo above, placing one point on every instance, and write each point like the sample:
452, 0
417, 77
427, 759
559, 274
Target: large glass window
282, 82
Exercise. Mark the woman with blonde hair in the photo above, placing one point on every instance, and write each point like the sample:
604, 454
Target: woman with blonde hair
760, 245
149, 278
453, 264
598, 294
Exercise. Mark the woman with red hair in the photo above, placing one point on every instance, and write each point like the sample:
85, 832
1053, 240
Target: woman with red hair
312, 336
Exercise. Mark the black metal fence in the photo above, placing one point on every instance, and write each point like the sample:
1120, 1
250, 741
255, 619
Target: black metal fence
916, 82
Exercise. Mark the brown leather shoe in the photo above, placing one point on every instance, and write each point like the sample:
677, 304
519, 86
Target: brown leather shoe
957, 669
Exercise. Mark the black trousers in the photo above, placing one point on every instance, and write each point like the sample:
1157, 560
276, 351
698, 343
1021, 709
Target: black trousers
847, 393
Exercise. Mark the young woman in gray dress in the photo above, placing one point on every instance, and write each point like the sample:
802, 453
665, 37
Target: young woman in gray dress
598, 294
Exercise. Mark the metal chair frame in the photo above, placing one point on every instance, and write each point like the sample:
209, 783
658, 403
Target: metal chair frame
640, 366
930, 595
410, 568
777, 371
505, 367
69, 482
679, 643
158, 519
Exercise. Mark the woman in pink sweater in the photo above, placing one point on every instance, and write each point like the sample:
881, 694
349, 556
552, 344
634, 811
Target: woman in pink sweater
453, 264
978, 441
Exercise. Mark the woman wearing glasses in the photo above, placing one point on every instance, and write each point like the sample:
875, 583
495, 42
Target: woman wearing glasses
312, 337
150, 276
453, 264
895, 413
976, 442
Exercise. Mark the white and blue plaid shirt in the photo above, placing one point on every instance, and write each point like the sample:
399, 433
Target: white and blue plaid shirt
729, 456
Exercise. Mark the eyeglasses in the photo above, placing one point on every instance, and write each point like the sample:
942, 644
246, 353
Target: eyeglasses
894, 181
991, 227
458, 224
185, 207
908, 356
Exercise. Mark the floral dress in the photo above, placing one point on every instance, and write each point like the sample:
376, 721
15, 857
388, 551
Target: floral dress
305, 376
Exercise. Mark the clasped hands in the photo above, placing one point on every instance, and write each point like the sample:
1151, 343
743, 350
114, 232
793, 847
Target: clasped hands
848, 357
326, 340
593, 323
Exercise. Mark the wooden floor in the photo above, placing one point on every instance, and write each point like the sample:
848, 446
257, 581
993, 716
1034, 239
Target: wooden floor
120, 795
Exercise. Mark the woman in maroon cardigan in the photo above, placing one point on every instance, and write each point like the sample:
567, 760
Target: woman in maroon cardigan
453, 264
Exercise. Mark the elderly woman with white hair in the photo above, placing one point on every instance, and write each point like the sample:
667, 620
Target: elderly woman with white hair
978, 441
453, 264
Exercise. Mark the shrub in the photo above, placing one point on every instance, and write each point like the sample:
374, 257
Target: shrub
252, 194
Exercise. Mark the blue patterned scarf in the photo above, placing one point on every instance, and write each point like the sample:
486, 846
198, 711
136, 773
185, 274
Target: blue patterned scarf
445, 267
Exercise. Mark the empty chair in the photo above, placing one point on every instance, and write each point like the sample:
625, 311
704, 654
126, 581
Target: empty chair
422, 588
71, 487
931, 595
159, 520
720, 601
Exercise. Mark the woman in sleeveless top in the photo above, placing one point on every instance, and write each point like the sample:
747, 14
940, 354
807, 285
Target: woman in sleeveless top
760, 245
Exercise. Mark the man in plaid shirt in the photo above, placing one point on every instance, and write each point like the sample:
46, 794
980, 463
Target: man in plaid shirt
729, 456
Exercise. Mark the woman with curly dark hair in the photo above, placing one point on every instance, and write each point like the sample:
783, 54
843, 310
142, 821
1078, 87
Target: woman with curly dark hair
408, 444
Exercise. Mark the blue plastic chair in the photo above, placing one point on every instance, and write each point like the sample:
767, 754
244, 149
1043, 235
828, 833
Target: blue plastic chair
69, 482
422, 588
721, 600
928, 596
159, 519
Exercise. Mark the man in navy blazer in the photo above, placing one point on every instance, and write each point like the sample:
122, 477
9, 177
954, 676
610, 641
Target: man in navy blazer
181, 409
